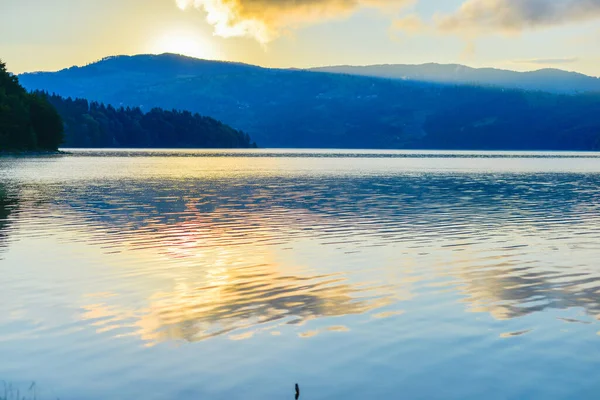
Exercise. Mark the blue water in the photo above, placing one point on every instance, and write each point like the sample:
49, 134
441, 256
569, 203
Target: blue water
357, 274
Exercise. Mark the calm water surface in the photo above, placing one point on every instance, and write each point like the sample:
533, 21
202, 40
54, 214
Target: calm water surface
234, 275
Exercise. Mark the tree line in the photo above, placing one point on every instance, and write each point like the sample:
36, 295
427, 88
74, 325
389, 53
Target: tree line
92, 124
27, 120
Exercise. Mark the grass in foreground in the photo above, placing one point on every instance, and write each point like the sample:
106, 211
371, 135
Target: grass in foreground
9, 392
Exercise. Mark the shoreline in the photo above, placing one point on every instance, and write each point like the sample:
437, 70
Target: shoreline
32, 153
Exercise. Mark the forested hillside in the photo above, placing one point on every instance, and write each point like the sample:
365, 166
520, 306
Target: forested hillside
294, 108
548, 80
27, 121
93, 124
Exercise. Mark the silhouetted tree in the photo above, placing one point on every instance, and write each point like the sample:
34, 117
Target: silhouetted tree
93, 124
27, 121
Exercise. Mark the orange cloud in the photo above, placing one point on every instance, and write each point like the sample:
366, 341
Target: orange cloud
264, 20
411, 24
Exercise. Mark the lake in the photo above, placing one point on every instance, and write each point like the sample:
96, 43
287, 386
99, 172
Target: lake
357, 274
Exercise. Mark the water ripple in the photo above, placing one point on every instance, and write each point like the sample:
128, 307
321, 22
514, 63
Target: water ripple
406, 264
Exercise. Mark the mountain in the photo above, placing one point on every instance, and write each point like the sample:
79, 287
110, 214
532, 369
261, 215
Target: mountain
549, 80
299, 108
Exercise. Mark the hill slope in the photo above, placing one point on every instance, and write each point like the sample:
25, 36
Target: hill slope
549, 80
92, 124
295, 108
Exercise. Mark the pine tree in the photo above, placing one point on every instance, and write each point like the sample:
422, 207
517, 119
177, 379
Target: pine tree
27, 121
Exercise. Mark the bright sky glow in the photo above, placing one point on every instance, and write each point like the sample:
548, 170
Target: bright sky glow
186, 42
511, 34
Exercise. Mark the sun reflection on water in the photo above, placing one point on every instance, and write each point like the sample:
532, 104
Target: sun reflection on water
217, 290
219, 246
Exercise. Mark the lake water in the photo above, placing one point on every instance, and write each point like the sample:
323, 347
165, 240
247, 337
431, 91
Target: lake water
359, 275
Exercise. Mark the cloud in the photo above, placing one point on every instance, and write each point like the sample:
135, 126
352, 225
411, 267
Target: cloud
265, 20
410, 24
514, 16
547, 61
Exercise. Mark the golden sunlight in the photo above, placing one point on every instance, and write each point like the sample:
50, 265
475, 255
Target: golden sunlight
185, 42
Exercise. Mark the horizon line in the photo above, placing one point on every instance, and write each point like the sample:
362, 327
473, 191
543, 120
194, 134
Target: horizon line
301, 68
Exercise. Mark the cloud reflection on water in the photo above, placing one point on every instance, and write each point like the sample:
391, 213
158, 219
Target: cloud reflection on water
235, 255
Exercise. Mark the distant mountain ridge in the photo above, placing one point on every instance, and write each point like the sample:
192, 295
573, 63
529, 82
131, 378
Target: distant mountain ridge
166, 63
143, 69
314, 109
549, 80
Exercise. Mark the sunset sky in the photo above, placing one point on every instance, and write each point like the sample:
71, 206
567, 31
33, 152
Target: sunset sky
513, 34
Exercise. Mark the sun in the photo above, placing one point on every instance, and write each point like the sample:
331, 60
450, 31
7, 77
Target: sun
184, 42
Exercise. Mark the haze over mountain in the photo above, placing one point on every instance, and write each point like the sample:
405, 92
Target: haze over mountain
549, 80
300, 108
